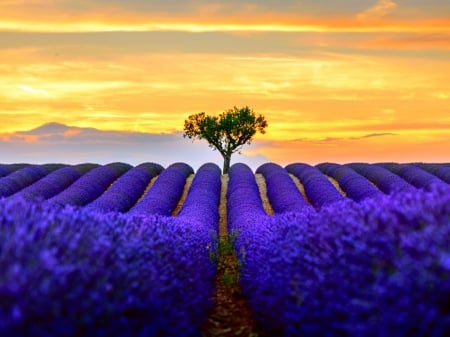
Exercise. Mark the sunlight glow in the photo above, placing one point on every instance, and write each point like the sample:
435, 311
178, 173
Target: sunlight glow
33, 91
351, 26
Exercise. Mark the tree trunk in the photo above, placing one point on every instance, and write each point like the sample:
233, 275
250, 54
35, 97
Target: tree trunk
226, 163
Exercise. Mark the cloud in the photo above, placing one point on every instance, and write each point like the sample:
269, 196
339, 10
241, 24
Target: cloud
380, 134
339, 140
54, 142
379, 10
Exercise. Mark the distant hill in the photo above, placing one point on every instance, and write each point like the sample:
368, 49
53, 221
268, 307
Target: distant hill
46, 129
53, 128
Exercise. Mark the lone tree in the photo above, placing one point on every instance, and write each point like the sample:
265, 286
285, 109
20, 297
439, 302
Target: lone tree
228, 132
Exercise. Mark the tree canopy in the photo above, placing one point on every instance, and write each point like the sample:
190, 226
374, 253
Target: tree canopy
226, 133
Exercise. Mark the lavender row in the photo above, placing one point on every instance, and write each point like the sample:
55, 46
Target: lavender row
413, 174
163, 196
127, 189
55, 182
23, 177
91, 185
375, 268
442, 171
70, 271
244, 204
202, 201
353, 184
283, 194
384, 179
319, 190
6, 169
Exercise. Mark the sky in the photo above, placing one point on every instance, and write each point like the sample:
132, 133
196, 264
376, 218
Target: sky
340, 81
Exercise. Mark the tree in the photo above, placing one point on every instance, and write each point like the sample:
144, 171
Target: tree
226, 133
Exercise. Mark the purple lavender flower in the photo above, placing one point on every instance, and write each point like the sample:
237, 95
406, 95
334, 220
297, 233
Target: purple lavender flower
91, 185
127, 189
319, 190
244, 204
69, 271
442, 171
354, 185
413, 174
374, 268
282, 192
6, 169
21, 178
163, 196
378, 266
53, 183
384, 179
202, 200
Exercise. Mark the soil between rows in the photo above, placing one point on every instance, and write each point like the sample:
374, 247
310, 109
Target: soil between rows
231, 314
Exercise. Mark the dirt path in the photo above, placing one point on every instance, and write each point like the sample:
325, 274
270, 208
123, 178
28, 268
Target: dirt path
300, 187
263, 193
336, 185
187, 186
231, 315
149, 186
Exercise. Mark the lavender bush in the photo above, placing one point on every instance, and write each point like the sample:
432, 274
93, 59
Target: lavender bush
384, 179
21, 178
282, 192
73, 272
54, 183
244, 204
202, 201
319, 190
376, 268
163, 196
353, 184
90, 186
413, 174
442, 171
6, 169
127, 189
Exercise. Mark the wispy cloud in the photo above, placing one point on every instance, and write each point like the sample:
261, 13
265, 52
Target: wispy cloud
338, 140
379, 134
379, 10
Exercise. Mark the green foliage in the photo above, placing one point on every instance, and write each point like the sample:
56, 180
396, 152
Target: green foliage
225, 247
230, 278
226, 259
228, 132
226, 244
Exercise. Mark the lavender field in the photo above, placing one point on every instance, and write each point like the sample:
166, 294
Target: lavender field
327, 250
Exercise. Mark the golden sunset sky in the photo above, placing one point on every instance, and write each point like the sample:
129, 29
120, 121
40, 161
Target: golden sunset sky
342, 81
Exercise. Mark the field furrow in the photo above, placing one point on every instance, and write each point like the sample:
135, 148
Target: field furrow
184, 194
262, 187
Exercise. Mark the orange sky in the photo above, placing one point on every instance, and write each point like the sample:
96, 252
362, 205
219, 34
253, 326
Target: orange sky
365, 81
